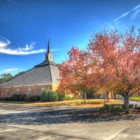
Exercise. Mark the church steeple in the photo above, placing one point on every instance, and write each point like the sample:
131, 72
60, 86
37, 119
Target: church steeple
48, 55
48, 46
48, 58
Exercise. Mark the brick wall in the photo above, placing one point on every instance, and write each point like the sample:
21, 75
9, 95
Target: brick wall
34, 90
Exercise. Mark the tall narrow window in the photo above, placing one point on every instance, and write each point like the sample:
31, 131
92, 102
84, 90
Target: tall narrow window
2, 93
42, 89
29, 92
7, 93
17, 92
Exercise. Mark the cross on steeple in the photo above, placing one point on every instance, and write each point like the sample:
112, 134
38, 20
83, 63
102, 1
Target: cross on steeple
48, 55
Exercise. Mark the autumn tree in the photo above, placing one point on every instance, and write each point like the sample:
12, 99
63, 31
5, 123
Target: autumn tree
74, 73
118, 61
111, 63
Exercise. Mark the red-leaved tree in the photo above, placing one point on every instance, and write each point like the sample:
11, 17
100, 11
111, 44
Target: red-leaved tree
111, 63
118, 61
74, 73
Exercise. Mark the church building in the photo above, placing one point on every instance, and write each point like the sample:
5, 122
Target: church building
35, 80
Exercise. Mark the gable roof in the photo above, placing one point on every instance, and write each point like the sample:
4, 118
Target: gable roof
46, 62
46, 72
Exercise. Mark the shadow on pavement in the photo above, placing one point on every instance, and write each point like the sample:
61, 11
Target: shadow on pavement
59, 117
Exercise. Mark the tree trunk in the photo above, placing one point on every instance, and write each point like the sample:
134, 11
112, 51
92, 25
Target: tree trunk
126, 102
115, 96
104, 98
108, 96
85, 97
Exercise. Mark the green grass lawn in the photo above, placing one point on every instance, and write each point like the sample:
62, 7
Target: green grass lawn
135, 98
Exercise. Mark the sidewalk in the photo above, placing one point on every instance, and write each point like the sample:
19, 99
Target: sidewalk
130, 102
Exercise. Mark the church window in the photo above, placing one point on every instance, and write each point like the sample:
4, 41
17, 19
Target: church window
17, 92
7, 93
42, 89
29, 92
2, 93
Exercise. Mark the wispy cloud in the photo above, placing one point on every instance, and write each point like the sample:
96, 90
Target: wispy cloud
10, 70
14, 2
128, 12
135, 14
28, 49
54, 50
4, 43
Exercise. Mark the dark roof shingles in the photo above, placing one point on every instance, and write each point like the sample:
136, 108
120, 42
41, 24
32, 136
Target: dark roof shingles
37, 75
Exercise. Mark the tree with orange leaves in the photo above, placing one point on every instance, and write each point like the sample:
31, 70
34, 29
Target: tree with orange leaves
111, 63
118, 65
74, 73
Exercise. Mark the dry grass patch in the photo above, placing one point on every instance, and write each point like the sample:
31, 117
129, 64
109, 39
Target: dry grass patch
76, 103
97, 103
56, 103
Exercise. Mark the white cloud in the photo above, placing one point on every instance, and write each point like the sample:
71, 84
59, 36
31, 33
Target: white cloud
128, 12
10, 70
28, 49
4, 43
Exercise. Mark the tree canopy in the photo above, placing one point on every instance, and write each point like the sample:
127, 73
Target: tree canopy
110, 62
6, 76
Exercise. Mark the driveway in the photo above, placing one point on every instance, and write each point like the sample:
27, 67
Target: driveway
130, 102
20, 122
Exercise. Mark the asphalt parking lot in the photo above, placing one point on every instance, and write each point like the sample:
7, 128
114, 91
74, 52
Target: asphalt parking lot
20, 122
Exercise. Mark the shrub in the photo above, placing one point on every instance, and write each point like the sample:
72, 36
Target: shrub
68, 98
136, 106
21, 97
1, 99
6, 99
102, 110
32, 98
10, 99
108, 107
49, 95
105, 107
61, 97
28, 99
72, 98
128, 111
131, 106
18, 97
53, 96
15, 97
35, 98
123, 106
117, 109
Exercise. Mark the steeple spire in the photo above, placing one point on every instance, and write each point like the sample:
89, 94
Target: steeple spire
48, 55
48, 46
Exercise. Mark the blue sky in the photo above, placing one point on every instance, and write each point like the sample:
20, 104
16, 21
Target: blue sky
25, 26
